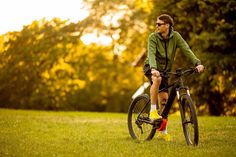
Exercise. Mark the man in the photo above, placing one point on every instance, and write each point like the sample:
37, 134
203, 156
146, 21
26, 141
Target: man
162, 47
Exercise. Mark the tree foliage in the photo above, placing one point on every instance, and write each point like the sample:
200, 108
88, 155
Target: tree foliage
47, 66
211, 33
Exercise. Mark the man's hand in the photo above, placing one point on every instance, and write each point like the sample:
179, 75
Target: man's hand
200, 68
155, 73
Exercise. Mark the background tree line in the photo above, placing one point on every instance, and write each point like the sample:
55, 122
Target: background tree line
46, 65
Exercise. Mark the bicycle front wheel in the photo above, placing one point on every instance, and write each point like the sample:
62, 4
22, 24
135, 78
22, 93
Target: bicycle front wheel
189, 120
139, 123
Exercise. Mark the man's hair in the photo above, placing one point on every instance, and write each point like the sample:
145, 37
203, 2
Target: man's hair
167, 19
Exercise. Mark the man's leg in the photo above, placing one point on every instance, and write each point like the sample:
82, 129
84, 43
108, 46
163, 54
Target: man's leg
156, 81
163, 97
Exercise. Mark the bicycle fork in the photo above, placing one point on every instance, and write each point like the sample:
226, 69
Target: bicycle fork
179, 94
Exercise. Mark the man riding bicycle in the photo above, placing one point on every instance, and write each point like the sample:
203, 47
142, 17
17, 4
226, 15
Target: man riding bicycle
162, 45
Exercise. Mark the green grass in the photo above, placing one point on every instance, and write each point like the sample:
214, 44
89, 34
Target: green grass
42, 133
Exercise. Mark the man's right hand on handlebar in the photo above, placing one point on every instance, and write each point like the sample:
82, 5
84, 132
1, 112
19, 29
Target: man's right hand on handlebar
155, 73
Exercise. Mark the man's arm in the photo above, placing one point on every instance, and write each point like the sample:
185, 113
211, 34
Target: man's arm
152, 51
185, 49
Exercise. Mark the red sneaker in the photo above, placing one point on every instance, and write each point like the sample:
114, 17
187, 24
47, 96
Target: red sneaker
163, 125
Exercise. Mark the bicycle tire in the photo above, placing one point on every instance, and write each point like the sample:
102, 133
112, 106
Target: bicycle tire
140, 130
189, 120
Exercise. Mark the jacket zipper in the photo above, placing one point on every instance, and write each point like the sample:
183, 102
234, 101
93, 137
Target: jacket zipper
166, 56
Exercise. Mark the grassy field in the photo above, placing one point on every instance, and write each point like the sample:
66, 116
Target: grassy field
46, 134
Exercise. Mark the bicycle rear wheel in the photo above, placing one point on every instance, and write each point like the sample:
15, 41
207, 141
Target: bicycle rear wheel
139, 124
189, 120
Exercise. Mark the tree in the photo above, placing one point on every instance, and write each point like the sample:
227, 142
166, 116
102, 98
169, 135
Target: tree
27, 56
47, 66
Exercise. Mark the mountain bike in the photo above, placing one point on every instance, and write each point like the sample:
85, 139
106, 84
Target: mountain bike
141, 127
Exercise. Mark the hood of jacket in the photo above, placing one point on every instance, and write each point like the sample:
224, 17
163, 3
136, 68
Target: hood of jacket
171, 34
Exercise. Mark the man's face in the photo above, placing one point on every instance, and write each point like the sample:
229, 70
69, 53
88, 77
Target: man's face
161, 26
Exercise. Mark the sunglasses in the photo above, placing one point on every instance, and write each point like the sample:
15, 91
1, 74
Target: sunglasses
159, 24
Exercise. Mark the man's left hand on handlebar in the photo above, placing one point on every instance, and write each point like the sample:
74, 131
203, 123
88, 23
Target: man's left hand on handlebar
200, 68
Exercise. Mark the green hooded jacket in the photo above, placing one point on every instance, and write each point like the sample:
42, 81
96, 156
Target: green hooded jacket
161, 52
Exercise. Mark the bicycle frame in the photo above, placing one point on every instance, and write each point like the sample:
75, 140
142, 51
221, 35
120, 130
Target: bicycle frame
177, 86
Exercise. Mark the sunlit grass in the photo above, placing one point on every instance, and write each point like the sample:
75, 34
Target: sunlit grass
41, 133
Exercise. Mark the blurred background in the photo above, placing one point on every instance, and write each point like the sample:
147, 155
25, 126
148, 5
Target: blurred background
88, 55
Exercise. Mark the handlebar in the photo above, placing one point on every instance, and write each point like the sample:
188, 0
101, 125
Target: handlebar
179, 72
